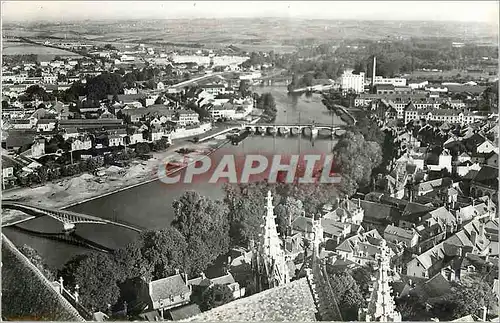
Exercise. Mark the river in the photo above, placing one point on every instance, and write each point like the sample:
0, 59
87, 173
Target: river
150, 205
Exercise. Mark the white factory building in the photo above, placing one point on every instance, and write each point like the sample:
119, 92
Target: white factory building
353, 82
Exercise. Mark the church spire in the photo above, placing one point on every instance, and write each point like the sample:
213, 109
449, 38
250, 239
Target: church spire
272, 253
381, 306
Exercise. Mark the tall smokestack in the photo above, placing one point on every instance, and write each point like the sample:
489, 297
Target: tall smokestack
374, 71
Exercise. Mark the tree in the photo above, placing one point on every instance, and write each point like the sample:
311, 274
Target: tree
348, 295
5, 104
155, 255
159, 100
142, 148
96, 274
466, 298
205, 225
355, 158
246, 209
412, 308
42, 173
37, 260
287, 210
214, 296
244, 88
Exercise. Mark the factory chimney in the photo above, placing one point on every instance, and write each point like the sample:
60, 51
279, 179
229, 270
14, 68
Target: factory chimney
374, 69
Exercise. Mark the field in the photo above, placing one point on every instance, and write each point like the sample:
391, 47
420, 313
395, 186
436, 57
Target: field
279, 34
15, 48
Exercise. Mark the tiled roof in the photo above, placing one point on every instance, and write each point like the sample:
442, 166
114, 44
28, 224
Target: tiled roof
332, 227
6, 162
289, 302
379, 211
302, 223
169, 286
184, 312
46, 121
436, 286
488, 175
400, 232
443, 215
20, 138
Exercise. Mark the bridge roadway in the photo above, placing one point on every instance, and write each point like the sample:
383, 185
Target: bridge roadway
67, 218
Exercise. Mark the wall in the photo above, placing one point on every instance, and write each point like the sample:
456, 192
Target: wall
183, 133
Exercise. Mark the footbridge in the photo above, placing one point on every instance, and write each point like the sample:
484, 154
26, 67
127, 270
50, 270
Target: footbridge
67, 218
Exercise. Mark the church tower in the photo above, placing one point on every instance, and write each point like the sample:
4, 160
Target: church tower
270, 258
381, 306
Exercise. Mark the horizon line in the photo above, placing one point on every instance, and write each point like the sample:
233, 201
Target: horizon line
56, 21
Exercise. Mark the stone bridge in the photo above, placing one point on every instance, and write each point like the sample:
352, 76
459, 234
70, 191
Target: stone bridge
294, 129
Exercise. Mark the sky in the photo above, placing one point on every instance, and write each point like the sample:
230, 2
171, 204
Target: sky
475, 11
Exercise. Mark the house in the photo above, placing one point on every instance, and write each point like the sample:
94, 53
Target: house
414, 214
21, 124
428, 263
430, 234
465, 167
486, 147
45, 125
168, 293
80, 143
226, 110
393, 184
38, 148
182, 313
348, 211
492, 159
91, 124
409, 238
187, 117
364, 248
485, 183
116, 140
429, 186
156, 133
305, 226
70, 133
475, 211
136, 137
443, 163
438, 285
200, 284
378, 216
8, 178
214, 89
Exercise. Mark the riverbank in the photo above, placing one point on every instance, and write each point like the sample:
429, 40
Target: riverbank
72, 191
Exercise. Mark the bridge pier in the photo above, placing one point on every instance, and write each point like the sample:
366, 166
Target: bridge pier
68, 226
283, 131
272, 130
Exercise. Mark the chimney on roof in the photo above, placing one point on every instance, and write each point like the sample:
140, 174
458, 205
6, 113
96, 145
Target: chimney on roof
473, 237
485, 313
61, 285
